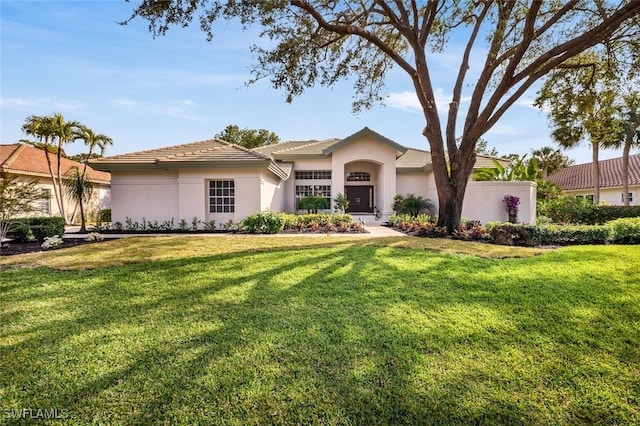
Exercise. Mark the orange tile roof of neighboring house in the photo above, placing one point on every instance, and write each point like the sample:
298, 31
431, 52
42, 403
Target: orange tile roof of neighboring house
579, 177
28, 160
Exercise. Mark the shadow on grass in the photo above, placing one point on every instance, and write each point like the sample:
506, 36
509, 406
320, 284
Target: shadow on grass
338, 334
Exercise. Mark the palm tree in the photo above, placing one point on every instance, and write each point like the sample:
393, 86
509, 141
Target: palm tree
79, 190
629, 116
92, 140
550, 160
580, 96
64, 131
42, 127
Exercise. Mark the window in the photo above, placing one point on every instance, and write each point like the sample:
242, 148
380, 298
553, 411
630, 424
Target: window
589, 198
630, 197
222, 196
323, 191
44, 204
313, 174
358, 177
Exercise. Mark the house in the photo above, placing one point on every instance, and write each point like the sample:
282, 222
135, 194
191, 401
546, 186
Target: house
28, 162
578, 180
216, 180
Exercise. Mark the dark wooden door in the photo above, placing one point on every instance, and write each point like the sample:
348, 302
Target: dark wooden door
360, 199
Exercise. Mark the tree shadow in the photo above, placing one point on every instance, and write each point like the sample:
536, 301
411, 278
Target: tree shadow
333, 334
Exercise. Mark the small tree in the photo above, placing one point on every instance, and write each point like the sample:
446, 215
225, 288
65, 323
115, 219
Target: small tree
411, 204
79, 189
16, 198
341, 203
312, 203
248, 138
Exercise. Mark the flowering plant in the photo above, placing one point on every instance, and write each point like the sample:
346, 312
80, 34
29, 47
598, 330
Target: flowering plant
51, 243
512, 207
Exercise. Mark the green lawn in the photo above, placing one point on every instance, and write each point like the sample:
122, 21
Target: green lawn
259, 330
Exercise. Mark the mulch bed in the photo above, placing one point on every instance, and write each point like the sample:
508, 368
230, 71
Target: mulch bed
13, 248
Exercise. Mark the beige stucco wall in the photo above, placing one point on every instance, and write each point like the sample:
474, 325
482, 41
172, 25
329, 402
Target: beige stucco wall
415, 183
149, 194
367, 149
184, 194
100, 199
272, 191
612, 196
484, 201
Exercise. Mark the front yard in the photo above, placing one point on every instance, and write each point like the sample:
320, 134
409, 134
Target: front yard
276, 330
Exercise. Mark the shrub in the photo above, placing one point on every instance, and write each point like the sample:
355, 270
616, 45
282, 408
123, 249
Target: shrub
37, 227
313, 203
104, 215
625, 230
604, 213
209, 225
567, 210
581, 211
411, 204
568, 234
267, 222
341, 203
52, 243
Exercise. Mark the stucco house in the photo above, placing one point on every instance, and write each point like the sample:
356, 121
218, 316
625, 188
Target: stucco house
27, 162
216, 180
578, 180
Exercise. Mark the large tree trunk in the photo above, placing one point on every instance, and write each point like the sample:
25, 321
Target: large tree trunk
451, 179
595, 171
625, 168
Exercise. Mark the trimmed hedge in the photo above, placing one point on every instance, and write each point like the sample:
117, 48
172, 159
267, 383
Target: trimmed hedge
40, 227
565, 235
581, 211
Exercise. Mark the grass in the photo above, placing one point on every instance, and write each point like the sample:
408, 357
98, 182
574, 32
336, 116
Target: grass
255, 330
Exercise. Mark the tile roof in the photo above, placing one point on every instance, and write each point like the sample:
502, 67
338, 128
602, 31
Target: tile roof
28, 160
210, 152
207, 151
579, 176
299, 149
414, 160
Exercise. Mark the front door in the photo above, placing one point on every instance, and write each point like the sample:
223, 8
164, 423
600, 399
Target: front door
360, 199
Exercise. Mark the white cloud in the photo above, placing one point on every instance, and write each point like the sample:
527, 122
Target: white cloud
403, 100
41, 103
180, 108
408, 101
125, 103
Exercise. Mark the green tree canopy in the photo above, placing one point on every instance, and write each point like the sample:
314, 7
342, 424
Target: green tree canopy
550, 160
323, 42
248, 138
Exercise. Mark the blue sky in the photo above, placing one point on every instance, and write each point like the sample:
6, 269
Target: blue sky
72, 57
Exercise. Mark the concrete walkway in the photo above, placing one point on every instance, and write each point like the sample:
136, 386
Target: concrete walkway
374, 231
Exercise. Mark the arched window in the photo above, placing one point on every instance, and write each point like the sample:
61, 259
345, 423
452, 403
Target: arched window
358, 177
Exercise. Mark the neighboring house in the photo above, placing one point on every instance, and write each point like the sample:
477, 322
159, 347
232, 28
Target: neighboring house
28, 162
578, 180
216, 180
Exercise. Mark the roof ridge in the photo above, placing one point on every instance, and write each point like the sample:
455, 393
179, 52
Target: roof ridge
199, 151
306, 144
248, 151
148, 151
